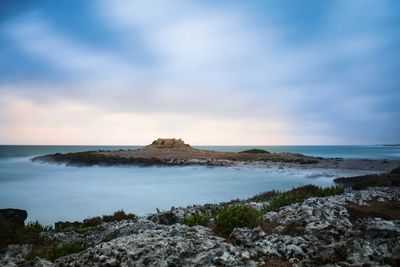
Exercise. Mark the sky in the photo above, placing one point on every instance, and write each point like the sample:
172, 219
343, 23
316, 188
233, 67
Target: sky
285, 72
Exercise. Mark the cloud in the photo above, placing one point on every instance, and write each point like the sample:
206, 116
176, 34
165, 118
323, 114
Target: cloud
224, 69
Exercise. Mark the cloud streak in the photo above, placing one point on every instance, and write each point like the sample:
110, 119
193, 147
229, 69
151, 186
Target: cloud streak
214, 74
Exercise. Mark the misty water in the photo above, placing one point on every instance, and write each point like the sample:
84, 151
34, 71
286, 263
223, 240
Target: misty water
56, 192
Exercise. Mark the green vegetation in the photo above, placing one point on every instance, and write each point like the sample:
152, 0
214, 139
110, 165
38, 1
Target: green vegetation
36, 228
29, 234
265, 196
197, 219
230, 217
53, 251
299, 195
89, 158
272, 157
255, 151
290, 160
119, 215
93, 224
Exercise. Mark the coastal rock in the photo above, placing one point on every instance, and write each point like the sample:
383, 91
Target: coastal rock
166, 218
15, 255
321, 231
176, 245
16, 217
325, 223
103, 233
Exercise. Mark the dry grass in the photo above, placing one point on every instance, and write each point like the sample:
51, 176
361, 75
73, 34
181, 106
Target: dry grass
388, 210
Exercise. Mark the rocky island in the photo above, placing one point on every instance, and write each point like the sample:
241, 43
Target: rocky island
306, 226
175, 152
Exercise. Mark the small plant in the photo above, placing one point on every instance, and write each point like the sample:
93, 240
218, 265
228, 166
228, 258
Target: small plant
36, 227
230, 217
197, 219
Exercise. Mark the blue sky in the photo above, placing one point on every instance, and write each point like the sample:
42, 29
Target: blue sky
211, 72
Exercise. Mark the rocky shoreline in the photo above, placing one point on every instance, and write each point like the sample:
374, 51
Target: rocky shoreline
174, 152
350, 228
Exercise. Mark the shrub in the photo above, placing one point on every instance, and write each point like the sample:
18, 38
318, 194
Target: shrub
255, 151
91, 222
264, 196
119, 216
36, 227
230, 217
300, 194
197, 219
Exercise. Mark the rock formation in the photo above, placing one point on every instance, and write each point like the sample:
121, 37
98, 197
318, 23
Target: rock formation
320, 231
163, 143
16, 217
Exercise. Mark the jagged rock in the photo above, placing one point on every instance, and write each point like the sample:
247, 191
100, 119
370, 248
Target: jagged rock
166, 218
316, 232
15, 256
176, 245
16, 217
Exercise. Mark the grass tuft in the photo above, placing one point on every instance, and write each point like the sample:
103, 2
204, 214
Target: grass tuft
231, 217
197, 219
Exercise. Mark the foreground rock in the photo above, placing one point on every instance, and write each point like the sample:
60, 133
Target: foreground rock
176, 245
15, 217
357, 228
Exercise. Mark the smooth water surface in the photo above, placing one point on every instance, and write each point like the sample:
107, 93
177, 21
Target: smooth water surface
55, 192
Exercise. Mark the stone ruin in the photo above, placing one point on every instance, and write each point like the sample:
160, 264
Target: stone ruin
168, 143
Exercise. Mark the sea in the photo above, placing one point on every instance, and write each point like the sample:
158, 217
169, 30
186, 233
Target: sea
52, 193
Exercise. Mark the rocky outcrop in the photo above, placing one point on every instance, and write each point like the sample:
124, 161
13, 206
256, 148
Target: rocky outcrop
320, 231
176, 245
346, 239
15, 217
163, 143
15, 255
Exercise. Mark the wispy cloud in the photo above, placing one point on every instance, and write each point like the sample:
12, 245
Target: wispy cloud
218, 67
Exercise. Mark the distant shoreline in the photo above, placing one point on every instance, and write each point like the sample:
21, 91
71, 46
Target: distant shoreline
282, 160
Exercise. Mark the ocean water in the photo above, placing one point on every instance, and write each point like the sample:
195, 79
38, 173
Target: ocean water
55, 192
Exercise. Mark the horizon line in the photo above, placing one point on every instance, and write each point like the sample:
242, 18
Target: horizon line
383, 144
